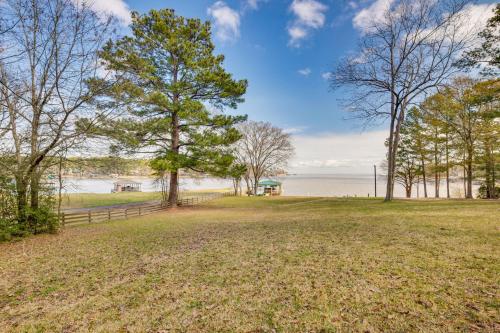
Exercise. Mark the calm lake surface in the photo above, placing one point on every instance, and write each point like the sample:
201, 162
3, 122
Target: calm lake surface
334, 185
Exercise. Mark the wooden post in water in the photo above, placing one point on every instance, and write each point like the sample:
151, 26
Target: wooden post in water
375, 179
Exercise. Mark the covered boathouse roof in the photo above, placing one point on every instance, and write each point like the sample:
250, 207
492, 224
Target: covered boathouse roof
269, 182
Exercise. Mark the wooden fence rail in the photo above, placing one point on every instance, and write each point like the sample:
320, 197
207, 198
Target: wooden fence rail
108, 214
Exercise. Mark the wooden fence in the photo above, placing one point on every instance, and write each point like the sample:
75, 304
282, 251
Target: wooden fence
95, 215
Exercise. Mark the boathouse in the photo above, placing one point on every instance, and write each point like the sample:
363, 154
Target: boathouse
269, 187
126, 186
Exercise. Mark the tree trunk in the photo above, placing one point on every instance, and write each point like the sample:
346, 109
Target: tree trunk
174, 174
394, 143
390, 161
469, 174
490, 171
60, 187
236, 185
447, 169
34, 191
255, 185
34, 204
408, 191
487, 177
437, 180
247, 182
465, 180
418, 187
173, 189
22, 200
424, 177
436, 168
493, 178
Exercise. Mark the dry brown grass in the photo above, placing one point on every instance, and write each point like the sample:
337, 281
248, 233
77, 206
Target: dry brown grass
263, 265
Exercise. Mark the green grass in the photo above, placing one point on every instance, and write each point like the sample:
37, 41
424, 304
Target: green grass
89, 200
263, 265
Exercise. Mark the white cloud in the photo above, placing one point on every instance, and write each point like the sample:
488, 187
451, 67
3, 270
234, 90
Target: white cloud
294, 130
338, 153
296, 34
473, 19
226, 20
304, 71
326, 75
309, 15
254, 4
365, 19
116, 8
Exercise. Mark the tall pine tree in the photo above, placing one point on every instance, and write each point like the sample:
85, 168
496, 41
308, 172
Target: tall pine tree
174, 87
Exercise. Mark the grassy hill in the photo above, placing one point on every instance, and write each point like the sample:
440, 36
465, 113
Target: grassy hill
263, 265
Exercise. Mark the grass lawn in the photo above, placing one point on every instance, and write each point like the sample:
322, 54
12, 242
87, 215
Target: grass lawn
263, 265
89, 200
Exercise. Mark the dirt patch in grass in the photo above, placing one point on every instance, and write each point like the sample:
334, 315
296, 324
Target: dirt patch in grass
263, 265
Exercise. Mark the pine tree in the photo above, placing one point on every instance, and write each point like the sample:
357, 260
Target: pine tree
416, 127
486, 96
407, 160
173, 86
433, 107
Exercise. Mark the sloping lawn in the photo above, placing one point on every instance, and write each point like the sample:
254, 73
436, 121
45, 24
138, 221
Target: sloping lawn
88, 200
263, 265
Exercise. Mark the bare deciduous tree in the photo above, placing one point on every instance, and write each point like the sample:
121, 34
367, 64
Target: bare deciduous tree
47, 70
264, 149
408, 52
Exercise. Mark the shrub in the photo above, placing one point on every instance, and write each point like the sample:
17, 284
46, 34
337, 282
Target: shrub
40, 220
8, 207
483, 192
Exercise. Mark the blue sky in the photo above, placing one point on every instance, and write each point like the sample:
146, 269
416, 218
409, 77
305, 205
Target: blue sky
262, 51
284, 48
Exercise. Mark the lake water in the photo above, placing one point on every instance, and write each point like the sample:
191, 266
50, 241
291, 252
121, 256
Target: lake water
358, 185
338, 185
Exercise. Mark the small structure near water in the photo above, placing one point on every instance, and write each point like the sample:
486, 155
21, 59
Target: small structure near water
269, 187
126, 186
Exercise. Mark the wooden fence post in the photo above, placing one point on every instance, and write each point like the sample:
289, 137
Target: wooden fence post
126, 213
63, 219
109, 214
139, 211
90, 216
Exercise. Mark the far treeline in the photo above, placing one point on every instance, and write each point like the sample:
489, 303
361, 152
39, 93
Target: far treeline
106, 166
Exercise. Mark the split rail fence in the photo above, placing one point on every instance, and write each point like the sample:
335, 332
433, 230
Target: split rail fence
95, 215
